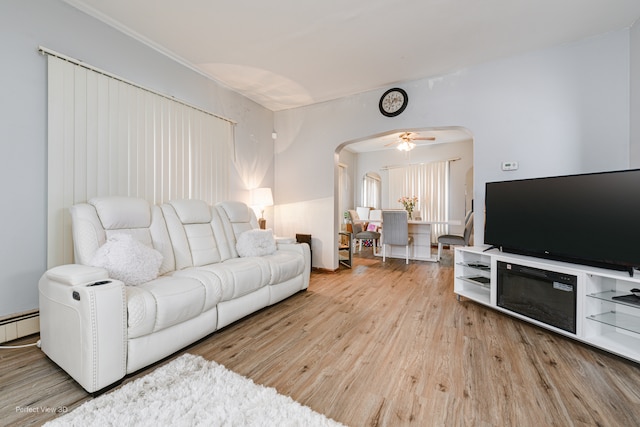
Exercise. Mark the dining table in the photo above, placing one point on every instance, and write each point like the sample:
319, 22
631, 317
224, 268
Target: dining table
422, 247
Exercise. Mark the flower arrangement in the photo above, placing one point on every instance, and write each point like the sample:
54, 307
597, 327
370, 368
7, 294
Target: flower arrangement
409, 203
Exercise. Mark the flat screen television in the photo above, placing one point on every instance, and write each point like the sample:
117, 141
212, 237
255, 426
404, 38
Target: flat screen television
591, 219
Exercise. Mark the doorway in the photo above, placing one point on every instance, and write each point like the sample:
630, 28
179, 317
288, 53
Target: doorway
377, 154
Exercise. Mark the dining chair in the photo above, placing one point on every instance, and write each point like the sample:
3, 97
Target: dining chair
453, 239
375, 217
359, 233
395, 231
363, 212
375, 220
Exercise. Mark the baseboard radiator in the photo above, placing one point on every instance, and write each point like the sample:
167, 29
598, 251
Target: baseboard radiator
20, 325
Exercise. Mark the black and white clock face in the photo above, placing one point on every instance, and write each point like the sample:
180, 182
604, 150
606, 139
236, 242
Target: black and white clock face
393, 102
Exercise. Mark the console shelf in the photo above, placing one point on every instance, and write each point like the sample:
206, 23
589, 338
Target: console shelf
618, 320
607, 314
481, 281
477, 265
617, 297
473, 276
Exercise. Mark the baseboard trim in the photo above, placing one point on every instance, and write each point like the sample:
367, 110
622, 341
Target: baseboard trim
323, 270
20, 325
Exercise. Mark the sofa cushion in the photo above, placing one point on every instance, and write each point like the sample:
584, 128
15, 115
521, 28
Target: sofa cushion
128, 260
239, 276
141, 311
197, 234
256, 242
177, 299
211, 283
236, 211
202, 244
192, 211
93, 223
122, 212
284, 265
236, 218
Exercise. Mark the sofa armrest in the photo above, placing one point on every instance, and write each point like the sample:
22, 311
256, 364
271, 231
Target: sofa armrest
83, 324
285, 240
288, 246
76, 274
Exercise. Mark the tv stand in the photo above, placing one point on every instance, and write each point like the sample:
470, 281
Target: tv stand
604, 319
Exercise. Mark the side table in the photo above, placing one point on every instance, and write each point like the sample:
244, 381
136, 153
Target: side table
345, 255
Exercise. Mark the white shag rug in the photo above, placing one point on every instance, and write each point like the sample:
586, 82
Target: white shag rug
191, 391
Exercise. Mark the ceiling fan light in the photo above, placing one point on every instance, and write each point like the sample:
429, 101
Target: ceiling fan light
406, 146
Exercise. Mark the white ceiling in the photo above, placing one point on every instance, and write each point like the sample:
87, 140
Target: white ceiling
289, 53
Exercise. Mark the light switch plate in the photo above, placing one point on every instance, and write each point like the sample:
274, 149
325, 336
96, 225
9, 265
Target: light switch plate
509, 166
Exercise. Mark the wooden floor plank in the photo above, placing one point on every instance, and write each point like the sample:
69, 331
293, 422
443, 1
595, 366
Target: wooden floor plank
386, 344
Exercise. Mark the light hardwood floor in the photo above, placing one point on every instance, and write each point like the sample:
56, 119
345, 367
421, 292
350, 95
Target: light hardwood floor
385, 344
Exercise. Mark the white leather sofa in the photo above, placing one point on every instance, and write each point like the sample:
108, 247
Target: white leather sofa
99, 329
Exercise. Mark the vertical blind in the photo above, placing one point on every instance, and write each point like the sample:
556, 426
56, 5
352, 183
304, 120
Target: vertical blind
430, 184
109, 137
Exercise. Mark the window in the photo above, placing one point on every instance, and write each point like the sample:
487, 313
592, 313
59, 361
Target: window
430, 184
371, 190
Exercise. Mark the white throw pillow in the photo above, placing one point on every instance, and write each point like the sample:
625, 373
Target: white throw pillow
128, 260
256, 242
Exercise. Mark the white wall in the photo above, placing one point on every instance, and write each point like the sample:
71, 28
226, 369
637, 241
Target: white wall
635, 96
556, 111
25, 25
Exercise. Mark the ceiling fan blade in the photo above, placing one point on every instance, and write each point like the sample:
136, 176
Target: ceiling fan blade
425, 138
391, 143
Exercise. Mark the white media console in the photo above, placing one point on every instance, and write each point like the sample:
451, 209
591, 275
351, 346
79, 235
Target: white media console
602, 321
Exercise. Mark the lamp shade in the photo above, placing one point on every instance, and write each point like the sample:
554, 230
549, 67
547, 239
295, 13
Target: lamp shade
261, 197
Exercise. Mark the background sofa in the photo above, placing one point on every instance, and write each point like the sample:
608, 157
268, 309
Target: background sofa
99, 328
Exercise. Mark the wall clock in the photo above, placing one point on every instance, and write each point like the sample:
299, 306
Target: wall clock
393, 102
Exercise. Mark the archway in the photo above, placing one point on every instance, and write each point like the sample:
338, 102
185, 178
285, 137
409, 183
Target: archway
376, 153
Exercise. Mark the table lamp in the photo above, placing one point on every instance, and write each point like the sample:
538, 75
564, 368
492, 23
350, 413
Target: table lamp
261, 198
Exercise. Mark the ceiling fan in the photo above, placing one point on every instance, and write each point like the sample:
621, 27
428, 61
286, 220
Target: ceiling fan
405, 141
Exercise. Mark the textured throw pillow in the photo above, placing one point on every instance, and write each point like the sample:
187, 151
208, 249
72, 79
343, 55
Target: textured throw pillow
128, 260
256, 242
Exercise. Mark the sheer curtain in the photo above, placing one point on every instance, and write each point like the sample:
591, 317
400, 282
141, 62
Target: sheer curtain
430, 184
